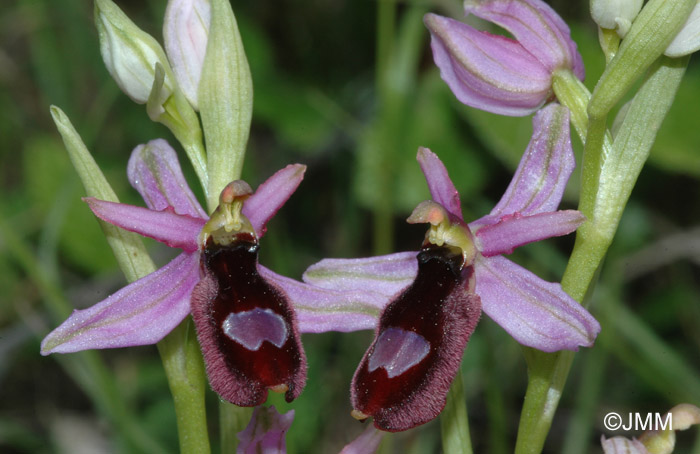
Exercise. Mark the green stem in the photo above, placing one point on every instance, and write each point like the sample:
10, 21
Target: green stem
571, 93
603, 204
197, 155
454, 423
184, 367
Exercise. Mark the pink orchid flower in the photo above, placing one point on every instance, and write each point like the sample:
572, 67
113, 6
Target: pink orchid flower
258, 325
433, 298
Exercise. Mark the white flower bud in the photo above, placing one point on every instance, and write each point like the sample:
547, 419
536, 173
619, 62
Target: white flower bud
688, 39
615, 14
186, 32
130, 54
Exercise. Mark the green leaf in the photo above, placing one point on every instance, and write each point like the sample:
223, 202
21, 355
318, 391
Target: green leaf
225, 100
127, 247
676, 147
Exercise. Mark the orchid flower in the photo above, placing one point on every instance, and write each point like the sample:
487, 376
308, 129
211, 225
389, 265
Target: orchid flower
433, 298
245, 322
499, 74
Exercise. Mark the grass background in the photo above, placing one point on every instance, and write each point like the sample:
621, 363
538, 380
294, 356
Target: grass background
319, 101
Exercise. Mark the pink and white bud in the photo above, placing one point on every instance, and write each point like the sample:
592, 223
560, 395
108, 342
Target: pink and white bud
499, 74
186, 33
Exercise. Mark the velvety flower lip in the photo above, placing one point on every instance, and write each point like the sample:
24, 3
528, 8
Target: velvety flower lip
146, 310
536, 313
499, 74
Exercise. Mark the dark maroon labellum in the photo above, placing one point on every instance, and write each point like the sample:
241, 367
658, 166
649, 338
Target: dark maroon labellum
406, 373
246, 327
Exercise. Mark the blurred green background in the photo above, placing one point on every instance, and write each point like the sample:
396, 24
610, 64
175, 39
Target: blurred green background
321, 100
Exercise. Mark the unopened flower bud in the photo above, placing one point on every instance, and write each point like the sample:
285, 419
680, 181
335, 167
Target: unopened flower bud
186, 32
131, 54
615, 14
499, 74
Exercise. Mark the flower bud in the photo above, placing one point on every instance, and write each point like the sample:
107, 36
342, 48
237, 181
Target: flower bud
500, 74
615, 14
131, 54
186, 32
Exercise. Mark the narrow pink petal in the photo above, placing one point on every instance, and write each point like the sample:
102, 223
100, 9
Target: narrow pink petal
319, 309
386, 274
442, 190
271, 195
265, 432
622, 445
516, 230
366, 443
141, 313
155, 172
486, 71
536, 313
175, 230
544, 170
536, 26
